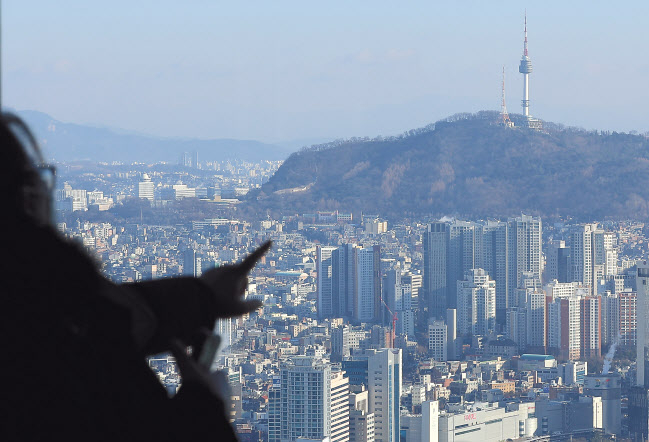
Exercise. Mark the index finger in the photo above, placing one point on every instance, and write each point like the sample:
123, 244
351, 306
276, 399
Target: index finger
249, 262
179, 350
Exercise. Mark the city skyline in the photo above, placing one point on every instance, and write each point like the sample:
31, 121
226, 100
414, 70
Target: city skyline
285, 72
314, 362
480, 278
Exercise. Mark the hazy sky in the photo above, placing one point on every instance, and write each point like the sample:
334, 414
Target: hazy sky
283, 70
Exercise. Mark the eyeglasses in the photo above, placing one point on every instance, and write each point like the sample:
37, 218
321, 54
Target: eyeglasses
46, 171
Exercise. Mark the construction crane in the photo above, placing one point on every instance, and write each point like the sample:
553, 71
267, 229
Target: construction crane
394, 323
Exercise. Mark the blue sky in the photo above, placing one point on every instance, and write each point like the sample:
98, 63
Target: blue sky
285, 70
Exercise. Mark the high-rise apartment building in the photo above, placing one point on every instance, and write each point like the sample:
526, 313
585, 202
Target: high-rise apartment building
339, 407
325, 282
507, 251
435, 287
342, 290
367, 284
639, 396
557, 261
361, 421
591, 328
192, 263
145, 188
384, 385
536, 320
451, 333
611, 254
415, 280
476, 309
313, 401
564, 328
556, 289
642, 313
438, 340
610, 318
340, 343
461, 256
349, 282
275, 410
628, 318
397, 294
491, 255
524, 253
430, 421
574, 326
582, 259
516, 326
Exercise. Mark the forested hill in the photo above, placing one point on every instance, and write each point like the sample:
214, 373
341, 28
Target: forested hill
470, 166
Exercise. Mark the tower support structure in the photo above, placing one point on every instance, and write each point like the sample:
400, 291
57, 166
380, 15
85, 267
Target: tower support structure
504, 116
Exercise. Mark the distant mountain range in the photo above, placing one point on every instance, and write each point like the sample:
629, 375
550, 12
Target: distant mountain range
468, 165
71, 142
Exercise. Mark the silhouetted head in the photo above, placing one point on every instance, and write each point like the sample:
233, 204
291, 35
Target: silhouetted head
26, 181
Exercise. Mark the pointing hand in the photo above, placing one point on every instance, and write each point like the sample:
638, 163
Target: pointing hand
230, 282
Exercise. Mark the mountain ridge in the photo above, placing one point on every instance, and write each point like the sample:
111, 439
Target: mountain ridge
72, 142
468, 165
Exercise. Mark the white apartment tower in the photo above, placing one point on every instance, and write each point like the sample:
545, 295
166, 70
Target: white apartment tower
582, 248
384, 386
476, 299
491, 255
145, 188
536, 315
339, 407
564, 327
611, 254
430, 421
313, 401
556, 289
524, 253
451, 333
461, 256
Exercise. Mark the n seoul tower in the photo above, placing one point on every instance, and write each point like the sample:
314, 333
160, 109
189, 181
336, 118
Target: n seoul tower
525, 68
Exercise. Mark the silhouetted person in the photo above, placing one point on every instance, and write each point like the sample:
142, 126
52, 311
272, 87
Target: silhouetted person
74, 344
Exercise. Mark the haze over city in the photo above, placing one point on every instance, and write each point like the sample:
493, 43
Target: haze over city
281, 72
383, 250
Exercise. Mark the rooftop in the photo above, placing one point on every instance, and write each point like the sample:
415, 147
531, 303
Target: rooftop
530, 357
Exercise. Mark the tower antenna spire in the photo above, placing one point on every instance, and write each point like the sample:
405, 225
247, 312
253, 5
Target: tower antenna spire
504, 116
525, 43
